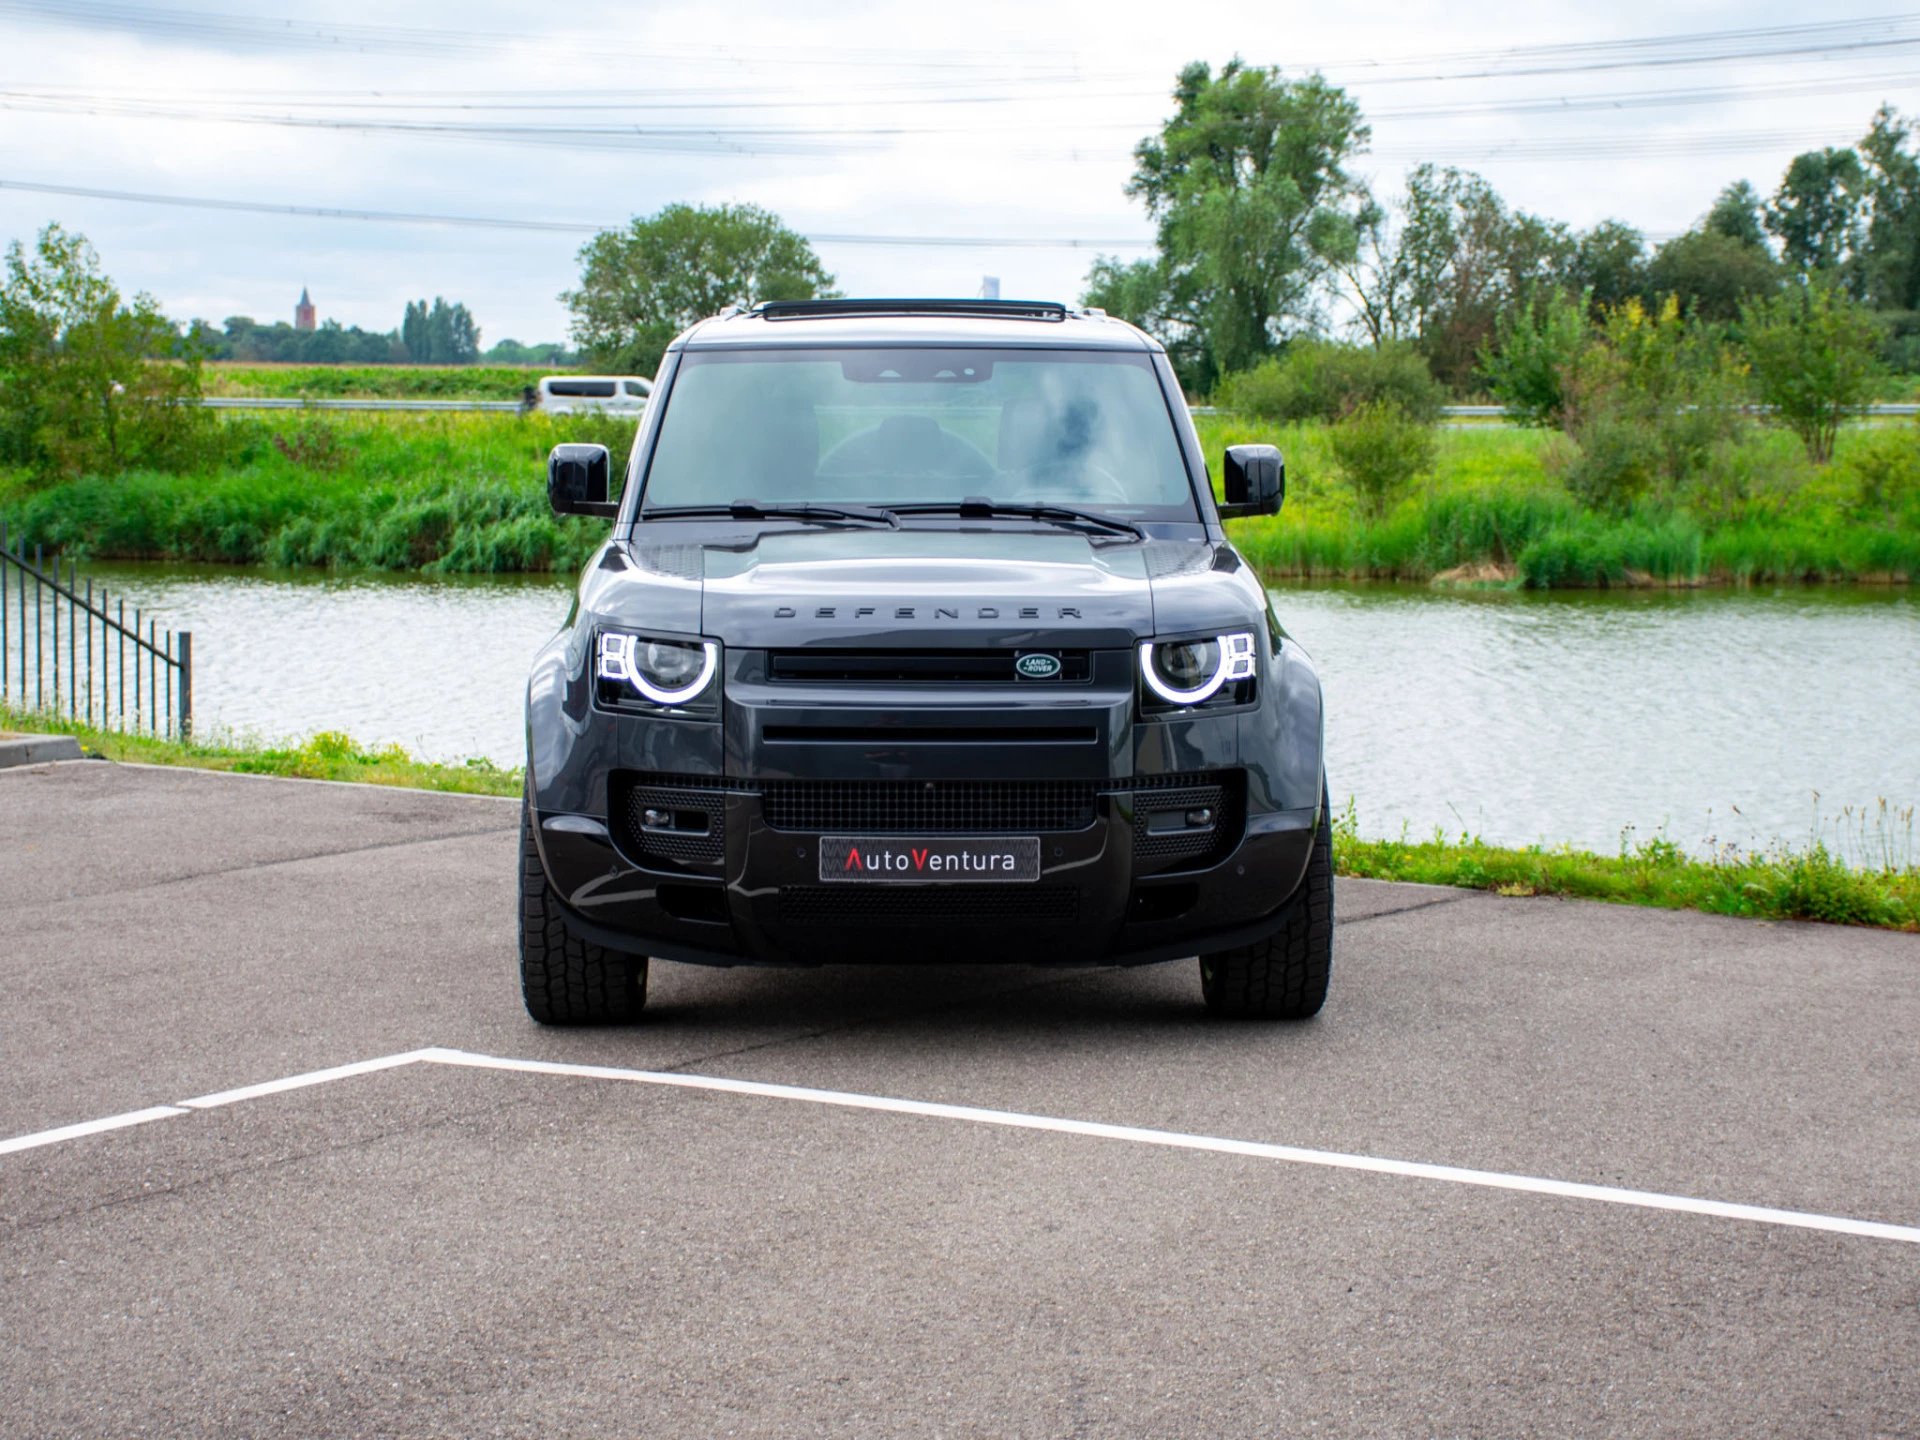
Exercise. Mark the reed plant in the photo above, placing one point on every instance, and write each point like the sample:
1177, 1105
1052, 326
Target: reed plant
466, 493
435, 492
1494, 510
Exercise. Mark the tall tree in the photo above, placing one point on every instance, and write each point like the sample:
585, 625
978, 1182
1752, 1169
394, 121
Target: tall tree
413, 332
1146, 293
1453, 258
1817, 214
1371, 276
1442, 267
1891, 253
641, 286
1711, 274
326, 345
1249, 185
1738, 213
1610, 264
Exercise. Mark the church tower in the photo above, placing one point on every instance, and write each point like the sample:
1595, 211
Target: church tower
303, 312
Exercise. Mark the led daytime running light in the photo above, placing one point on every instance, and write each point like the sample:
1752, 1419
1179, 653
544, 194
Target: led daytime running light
616, 662
1236, 663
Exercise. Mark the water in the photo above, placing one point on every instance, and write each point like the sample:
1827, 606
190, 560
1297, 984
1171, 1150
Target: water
1709, 716
438, 666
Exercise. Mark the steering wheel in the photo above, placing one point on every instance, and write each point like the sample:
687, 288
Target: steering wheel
1088, 481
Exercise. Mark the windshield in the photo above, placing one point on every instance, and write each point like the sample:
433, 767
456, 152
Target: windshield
901, 426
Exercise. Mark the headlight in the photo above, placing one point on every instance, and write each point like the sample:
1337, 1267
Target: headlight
667, 672
1187, 672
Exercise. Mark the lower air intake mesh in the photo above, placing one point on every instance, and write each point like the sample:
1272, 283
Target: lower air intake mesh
929, 807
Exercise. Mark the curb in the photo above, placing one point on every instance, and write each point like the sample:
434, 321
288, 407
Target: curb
37, 750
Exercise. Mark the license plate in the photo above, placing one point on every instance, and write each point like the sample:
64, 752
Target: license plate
884, 858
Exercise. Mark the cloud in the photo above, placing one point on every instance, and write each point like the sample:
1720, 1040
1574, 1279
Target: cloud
994, 118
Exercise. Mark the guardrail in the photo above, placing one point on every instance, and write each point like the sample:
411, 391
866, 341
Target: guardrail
85, 682
510, 407
262, 402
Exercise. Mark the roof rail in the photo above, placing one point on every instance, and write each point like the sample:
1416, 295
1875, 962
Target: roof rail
1050, 310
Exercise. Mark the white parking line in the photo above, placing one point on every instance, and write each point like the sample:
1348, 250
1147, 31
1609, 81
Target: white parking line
89, 1127
312, 1077
1173, 1139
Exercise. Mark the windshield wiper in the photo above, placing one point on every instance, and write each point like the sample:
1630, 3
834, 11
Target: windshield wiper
754, 510
977, 507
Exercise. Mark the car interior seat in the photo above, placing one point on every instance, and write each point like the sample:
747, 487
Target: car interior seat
905, 449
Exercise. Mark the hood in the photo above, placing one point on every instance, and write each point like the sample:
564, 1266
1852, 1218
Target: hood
911, 586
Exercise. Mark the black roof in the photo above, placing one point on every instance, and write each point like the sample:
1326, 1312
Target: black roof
891, 321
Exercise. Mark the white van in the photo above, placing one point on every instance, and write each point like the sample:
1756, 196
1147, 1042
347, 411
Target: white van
576, 394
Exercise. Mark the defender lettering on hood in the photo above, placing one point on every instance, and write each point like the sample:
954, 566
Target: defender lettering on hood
939, 612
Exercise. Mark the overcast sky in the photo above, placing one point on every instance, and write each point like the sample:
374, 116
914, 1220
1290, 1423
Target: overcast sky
989, 119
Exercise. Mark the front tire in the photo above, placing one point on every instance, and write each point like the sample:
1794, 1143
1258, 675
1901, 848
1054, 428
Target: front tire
1283, 977
563, 979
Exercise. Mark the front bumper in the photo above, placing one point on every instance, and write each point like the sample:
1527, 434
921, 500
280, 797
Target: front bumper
1123, 887
730, 873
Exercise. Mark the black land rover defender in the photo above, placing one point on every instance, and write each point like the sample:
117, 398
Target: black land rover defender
917, 638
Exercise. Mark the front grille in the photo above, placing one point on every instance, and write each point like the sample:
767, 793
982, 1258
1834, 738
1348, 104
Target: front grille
923, 667
696, 835
929, 807
903, 905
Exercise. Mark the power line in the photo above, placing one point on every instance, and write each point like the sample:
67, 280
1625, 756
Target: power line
1819, 38
772, 139
563, 227
1568, 148
481, 102
164, 104
289, 33
1645, 99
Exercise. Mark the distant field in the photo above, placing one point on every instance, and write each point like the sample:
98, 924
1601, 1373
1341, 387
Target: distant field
378, 382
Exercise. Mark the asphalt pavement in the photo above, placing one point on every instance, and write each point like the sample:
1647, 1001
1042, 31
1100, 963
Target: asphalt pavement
1541, 1167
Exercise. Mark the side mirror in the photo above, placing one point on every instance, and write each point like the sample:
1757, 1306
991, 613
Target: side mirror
1255, 481
577, 478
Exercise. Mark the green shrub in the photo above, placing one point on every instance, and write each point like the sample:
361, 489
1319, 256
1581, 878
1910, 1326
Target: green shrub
77, 394
1618, 465
1812, 350
1322, 380
1882, 468
1380, 448
1649, 398
1738, 479
1534, 347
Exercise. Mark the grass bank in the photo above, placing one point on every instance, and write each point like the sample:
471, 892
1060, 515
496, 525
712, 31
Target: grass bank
328, 755
439, 493
1494, 509
466, 493
1808, 883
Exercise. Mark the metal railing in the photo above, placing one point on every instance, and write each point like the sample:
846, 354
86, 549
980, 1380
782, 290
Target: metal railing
68, 649
294, 402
